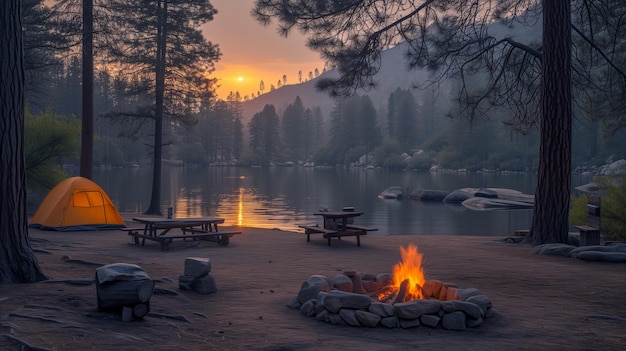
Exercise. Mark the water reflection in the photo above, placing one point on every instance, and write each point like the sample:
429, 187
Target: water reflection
287, 197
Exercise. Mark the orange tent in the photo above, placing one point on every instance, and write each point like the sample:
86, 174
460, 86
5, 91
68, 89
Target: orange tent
77, 203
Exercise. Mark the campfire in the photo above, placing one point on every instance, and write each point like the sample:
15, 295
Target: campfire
403, 299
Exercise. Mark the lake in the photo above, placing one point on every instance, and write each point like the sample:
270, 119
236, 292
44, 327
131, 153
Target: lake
285, 197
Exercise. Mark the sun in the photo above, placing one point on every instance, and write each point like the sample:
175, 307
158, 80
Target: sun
240, 79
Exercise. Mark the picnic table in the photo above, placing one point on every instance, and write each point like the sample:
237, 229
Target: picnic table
157, 229
337, 224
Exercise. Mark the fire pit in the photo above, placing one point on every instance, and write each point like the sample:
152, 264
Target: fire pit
404, 299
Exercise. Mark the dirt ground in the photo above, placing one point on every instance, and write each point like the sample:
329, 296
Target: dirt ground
540, 302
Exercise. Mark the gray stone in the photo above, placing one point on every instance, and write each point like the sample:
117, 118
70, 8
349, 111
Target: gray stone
308, 293
317, 280
205, 285
454, 321
197, 267
482, 301
415, 309
456, 197
308, 308
473, 323
409, 323
390, 322
368, 277
319, 306
294, 303
430, 320
335, 319
432, 288
323, 316
470, 309
342, 282
381, 309
349, 316
368, 319
357, 285
185, 282
448, 306
338, 299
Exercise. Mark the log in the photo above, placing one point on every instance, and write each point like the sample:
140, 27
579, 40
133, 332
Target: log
123, 293
122, 285
141, 310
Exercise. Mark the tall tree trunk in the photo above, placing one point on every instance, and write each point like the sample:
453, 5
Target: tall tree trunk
86, 146
155, 202
550, 217
18, 263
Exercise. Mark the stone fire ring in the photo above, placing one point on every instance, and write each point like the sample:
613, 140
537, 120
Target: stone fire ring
345, 300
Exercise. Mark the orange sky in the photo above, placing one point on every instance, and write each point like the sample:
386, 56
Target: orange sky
252, 52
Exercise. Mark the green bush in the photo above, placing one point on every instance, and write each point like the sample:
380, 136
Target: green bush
578, 210
49, 140
613, 209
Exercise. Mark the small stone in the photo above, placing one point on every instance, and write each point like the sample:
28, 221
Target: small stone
323, 316
381, 309
349, 316
390, 322
317, 280
338, 299
342, 282
294, 303
308, 293
415, 309
205, 285
308, 308
367, 319
430, 320
454, 321
409, 323
482, 301
335, 319
197, 267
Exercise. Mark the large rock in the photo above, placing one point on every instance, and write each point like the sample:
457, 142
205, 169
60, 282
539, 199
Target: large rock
456, 197
416, 308
336, 300
428, 195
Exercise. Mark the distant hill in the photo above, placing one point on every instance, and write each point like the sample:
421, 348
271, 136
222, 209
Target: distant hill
393, 74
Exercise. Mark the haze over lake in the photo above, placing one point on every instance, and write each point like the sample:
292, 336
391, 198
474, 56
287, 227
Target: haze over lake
285, 197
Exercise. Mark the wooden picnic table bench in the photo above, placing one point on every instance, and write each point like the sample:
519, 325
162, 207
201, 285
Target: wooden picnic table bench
157, 229
339, 233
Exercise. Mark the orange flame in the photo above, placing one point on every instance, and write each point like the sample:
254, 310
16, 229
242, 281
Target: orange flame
410, 267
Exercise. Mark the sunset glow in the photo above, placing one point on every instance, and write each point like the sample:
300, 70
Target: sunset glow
252, 53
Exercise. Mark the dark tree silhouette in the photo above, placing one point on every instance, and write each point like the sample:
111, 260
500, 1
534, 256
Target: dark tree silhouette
161, 40
18, 263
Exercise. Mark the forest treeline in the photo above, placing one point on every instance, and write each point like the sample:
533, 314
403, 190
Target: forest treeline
404, 132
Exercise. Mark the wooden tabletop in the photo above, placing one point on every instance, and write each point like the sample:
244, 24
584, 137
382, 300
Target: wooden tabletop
338, 214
